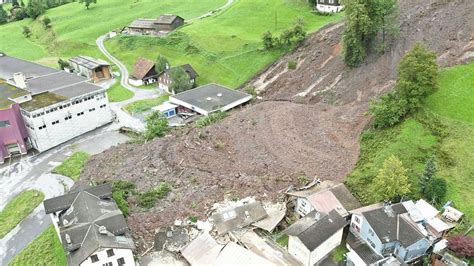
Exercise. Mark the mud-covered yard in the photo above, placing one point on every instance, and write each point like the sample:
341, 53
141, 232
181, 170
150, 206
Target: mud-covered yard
308, 123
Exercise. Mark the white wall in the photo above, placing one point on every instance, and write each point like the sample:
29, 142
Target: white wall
329, 8
303, 206
135, 82
325, 248
53, 135
55, 220
298, 250
127, 254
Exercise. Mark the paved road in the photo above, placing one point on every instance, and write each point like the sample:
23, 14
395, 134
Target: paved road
33, 173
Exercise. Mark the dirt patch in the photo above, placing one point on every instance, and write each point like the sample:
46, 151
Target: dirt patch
308, 122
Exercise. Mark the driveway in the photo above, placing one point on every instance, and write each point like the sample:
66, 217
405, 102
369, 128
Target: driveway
33, 173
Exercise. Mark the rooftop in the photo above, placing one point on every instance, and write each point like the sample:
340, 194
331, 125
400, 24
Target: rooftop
90, 223
211, 97
7, 92
367, 254
142, 67
238, 217
166, 19
42, 100
319, 230
143, 23
88, 62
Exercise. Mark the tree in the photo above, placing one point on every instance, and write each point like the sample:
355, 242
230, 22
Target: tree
161, 64
462, 245
3, 15
386, 19
179, 80
15, 3
391, 181
417, 78
35, 8
63, 64
46, 22
26, 32
156, 126
436, 190
285, 37
268, 41
428, 174
87, 3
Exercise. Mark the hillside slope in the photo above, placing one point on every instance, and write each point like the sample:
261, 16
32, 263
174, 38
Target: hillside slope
308, 122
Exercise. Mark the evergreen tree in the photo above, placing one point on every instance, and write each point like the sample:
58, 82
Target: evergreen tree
35, 8
391, 182
358, 27
428, 174
436, 190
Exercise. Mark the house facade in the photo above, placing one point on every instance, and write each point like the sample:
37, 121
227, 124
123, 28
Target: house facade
144, 73
164, 78
329, 6
13, 134
91, 228
94, 69
387, 230
160, 26
55, 106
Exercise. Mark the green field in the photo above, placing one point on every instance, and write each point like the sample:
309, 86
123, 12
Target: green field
225, 48
117, 93
18, 208
444, 127
145, 105
46, 249
72, 166
75, 29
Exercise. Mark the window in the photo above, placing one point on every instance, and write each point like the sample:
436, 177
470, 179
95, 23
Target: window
303, 203
94, 258
110, 252
356, 219
371, 243
331, 1
108, 264
81, 113
68, 117
42, 127
371, 232
121, 261
92, 110
4, 123
55, 122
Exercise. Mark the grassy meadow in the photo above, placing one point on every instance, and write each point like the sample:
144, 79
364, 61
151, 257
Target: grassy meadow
444, 127
72, 166
46, 249
226, 48
18, 208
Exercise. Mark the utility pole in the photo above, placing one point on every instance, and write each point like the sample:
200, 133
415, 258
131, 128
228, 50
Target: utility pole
276, 20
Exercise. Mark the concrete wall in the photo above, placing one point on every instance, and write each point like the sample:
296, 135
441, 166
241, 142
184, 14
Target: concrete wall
127, 254
93, 113
303, 206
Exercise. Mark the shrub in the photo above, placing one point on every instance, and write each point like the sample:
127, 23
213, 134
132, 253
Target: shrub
291, 65
268, 41
251, 90
462, 245
210, 119
121, 190
156, 126
148, 199
26, 32
303, 180
46, 22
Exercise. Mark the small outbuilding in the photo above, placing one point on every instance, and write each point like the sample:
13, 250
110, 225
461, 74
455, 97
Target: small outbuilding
208, 99
92, 68
168, 22
160, 26
144, 73
167, 109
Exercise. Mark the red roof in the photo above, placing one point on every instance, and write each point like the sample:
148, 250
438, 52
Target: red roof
142, 67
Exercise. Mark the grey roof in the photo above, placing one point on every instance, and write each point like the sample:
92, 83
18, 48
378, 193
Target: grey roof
8, 92
41, 79
142, 23
88, 62
345, 197
11, 65
210, 97
166, 19
389, 226
64, 202
91, 223
319, 231
238, 217
367, 254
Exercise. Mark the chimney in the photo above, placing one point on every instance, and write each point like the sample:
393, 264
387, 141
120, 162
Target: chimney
102, 230
68, 239
20, 80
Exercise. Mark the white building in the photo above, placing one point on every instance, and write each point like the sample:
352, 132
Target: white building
60, 105
91, 228
313, 237
329, 6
